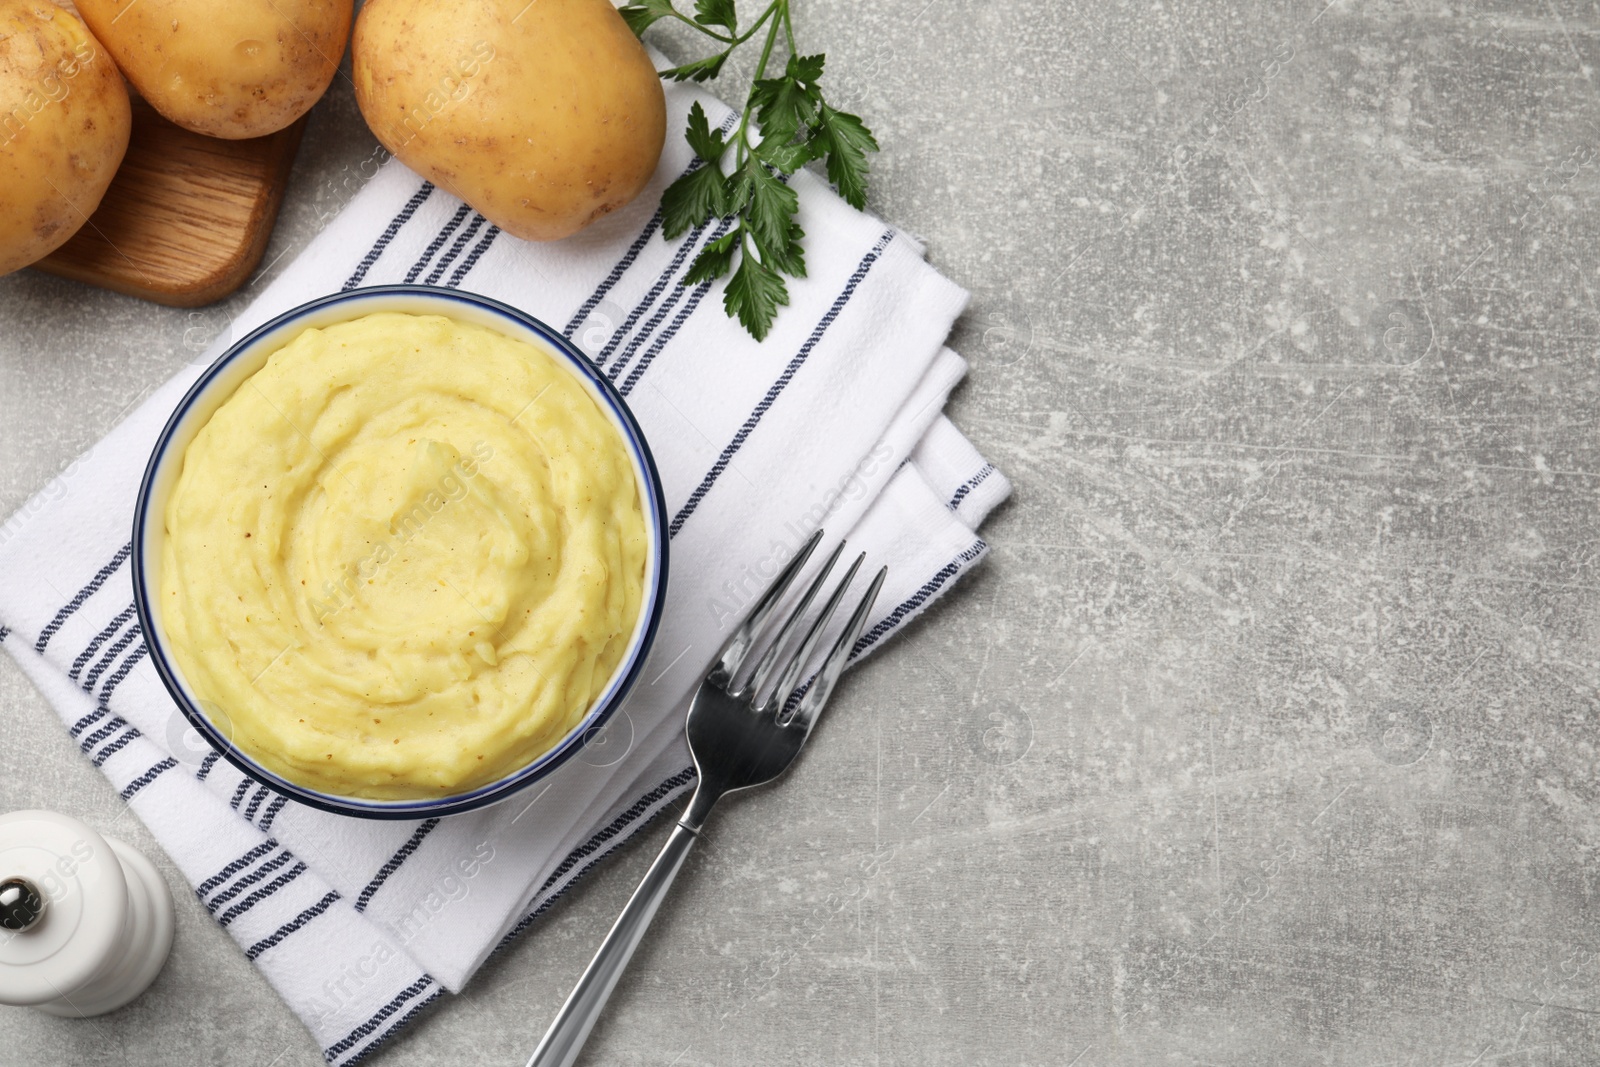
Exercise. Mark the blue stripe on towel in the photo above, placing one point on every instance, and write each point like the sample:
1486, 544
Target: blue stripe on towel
122, 742
400, 219
83, 594
122, 672
455, 249
110, 657
615, 276
101, 638
645, 334
437, 243
665, 309
245, 882
659, 286
88, 720
291, 926
255, 803
147, 777
472, 257
351, 1039
261, 894
235, 867
660, 342
272, 813
423, 829
395, 1027
778, 386
969, 485
112, 725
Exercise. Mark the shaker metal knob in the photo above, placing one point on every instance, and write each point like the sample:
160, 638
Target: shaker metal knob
21, 904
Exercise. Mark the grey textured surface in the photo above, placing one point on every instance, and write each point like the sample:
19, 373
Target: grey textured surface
1267, 733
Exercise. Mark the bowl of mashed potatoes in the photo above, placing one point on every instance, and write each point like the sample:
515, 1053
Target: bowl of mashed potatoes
400, 552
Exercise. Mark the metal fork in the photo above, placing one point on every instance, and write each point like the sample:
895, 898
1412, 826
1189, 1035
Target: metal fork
745, 728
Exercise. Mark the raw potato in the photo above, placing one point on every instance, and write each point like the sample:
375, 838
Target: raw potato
543, 115
64, 123
225, 68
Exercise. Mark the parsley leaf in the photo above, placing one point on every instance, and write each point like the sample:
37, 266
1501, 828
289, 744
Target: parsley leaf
807, 69
692, 200
847, 141
700, 70
789, 257
706, 142
754, 294
639, 16
714, 259
715, 13
736, 193
784, 105
788, 156
772, 204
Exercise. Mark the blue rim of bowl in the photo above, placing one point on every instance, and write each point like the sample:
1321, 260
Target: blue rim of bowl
546, 763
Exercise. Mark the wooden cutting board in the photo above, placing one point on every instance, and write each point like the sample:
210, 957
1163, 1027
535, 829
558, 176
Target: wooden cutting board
187, 217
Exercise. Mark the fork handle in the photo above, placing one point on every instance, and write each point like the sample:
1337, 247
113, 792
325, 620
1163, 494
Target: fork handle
565, 1038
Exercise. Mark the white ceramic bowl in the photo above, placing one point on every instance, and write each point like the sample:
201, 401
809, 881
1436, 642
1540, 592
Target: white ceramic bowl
249, 355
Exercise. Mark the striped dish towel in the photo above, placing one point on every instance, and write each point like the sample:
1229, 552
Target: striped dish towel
835, 420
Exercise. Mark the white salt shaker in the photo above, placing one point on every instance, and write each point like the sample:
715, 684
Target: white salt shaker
85, 920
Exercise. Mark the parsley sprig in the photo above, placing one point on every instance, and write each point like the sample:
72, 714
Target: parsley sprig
786, 123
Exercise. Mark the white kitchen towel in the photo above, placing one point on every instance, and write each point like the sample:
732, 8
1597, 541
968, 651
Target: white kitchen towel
835, 420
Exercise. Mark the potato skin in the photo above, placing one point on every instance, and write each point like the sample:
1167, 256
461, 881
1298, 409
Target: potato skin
64, 123
231, 69
544, 116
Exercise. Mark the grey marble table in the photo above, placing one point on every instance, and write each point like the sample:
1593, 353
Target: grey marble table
1267, 734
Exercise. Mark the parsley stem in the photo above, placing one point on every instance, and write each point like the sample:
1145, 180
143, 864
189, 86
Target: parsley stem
751, 32
737, 38
744, 242
708, 31
743, 147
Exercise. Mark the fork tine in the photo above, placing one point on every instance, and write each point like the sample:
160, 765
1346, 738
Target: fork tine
733, 654
805, 715
797, 662
767, 665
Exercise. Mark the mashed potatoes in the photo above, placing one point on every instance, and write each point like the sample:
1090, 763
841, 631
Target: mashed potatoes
403, 558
